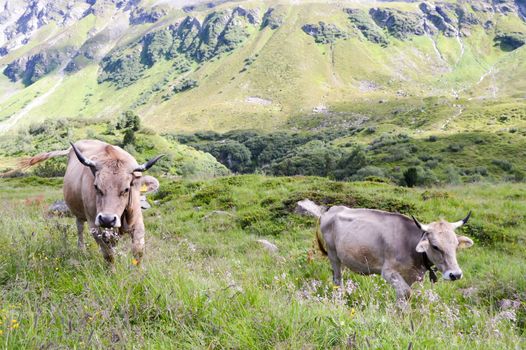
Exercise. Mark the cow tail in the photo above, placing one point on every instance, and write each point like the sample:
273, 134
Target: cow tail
28, 162
319, 238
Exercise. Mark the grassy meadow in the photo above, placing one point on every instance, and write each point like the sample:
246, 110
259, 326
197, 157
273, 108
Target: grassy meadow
207, 283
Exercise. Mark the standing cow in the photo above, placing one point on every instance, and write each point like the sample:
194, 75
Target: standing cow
399, 248
102, 186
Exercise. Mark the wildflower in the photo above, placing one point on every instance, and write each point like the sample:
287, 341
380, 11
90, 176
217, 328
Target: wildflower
56, 268
135, 262
353, 311
1, 332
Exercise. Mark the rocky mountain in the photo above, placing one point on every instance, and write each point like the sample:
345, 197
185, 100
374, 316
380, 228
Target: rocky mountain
194, 65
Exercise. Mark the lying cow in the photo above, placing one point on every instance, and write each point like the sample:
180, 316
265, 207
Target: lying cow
399, 248
102, 186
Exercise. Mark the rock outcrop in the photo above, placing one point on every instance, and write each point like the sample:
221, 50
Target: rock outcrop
184, 42
324, 33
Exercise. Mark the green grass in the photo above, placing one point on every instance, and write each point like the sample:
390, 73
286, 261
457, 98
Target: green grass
207, 283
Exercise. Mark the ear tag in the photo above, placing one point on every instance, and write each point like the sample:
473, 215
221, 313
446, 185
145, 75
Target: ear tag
144, 188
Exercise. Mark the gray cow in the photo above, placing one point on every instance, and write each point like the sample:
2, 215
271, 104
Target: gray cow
399, 248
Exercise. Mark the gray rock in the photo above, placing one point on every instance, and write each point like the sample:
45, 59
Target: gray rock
309, 208
217, 213
144, 203
140, 15
398, 23
272, 248
59, 208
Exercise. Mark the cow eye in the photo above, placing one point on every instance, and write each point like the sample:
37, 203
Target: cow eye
126, 190
435, 247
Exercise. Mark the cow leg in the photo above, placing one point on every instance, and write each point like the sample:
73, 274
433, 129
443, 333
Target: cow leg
403, 290
336, 267
80, 233
138, 245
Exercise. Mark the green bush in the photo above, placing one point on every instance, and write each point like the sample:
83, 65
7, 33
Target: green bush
503, 164
51, 168
367, 172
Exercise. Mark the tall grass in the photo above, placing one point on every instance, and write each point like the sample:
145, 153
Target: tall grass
207, 283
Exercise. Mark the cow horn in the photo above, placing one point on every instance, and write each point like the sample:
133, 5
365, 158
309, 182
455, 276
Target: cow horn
148, 164
462, 222
82, 159
419, 225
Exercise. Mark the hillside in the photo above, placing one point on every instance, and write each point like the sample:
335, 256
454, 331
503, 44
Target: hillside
420, 67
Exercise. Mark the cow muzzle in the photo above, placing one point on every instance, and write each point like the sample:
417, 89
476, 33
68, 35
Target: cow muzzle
107, 220
451, 275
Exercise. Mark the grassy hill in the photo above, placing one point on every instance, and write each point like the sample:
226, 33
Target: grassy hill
254, 64
207, 283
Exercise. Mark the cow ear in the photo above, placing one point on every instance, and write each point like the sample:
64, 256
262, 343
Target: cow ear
423, 245
149, 184
464, 242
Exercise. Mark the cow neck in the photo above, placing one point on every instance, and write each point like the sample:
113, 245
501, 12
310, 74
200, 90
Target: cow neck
428, 264
429, 267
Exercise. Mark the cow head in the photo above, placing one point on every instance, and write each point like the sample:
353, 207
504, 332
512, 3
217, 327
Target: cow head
440, 242
116, 181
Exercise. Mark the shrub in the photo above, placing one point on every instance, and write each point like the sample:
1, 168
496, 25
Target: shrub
129, 137
432, 138
411, 177
417, 176
368, 172
452, 175
351, 163
431, 163
503, 164
51, 168
39, 128
455, 147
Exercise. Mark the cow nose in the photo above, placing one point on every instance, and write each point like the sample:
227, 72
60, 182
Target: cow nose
455, 276
107, 220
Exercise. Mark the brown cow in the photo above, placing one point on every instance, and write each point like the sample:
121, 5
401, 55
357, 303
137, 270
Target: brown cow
102, 186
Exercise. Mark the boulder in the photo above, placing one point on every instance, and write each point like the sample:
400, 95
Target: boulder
309, 208
272, 248
59, 208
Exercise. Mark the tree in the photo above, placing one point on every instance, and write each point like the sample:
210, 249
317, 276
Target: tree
411, 177
129, 137
351, 163
315, 158
234, 155
129, 120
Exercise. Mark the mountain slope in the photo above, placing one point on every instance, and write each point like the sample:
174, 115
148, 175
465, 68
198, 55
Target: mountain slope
257, 64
